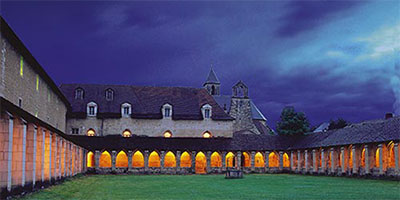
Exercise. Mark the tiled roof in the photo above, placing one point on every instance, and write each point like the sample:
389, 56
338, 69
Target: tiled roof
146, 101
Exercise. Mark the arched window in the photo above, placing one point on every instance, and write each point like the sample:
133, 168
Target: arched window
230, 159
105, 159
137, 159
186, 160
91, 132
377, 158
273, 160
391, 154
126, 133
259, 160
91, 109
121, 160
201, 163
167, 134
207, 134
206, 111
246, 160
169, 159
167, 111
286, 161
109, 94
154, 159
90, 159
363, 158
350, 158
216, 160
126, 110
79, 93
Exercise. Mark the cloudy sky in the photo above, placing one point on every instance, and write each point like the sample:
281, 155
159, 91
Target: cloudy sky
328, 59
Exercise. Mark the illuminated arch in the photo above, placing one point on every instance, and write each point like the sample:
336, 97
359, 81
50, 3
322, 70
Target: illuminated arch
138, 159
246, 160
201, 163
259, 160
169, 159
186, 160
207, 134
167, 134
328, 163
91, 132
105, 159
377, 158
363, 158
216, 160
126, 133
229, 159
350, 158
286, 161
154, 159
90, 159
391, 154
121, 160
273, 160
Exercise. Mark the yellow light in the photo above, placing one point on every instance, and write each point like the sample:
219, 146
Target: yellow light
167, 134
91, 132
90, 159
186, 160
126, 133
138, 159
105, 159
37, 82
206, 135
169, 160
21, 64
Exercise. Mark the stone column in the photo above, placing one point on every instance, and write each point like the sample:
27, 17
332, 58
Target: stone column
367, 169
266, 161
342, 160
223, 161
84, 161
208, 159
162, 161
146, 160
323, 160
130, 155
332, 160
280, 160
24, 125
306, 160
298, 161
315, 166
97, 158
291, 161
113, 160
178, 161
396, 158
193, 161
380, 159
50, 160
10, 146
34, 156
355, 164
252, 161
55, 157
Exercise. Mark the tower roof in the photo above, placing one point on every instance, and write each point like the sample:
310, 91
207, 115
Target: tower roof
212, 78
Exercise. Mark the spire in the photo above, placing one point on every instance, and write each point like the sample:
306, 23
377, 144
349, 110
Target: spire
212, 78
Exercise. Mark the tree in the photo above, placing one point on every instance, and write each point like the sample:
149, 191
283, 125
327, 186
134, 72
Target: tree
292, 122
339, 123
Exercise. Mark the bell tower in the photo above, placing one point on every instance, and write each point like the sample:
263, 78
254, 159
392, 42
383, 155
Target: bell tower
212, 84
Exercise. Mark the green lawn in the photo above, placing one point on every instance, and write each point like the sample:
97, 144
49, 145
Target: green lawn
265, 186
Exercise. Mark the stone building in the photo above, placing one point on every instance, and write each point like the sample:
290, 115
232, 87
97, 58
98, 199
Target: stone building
49, 133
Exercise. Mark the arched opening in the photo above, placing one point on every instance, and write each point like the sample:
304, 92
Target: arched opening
259, 160
167, 134
169, 159
137, 159
273, 160
286, 161
230, 159
340, 159
391, 155
328, 162
377, 158
105, 159
201, 163
186, 160
213, 90
350, 159
90, 159
362, 164
207, 134
121, 160
126, 133
154, 159
245, 159
91, 132
216, 160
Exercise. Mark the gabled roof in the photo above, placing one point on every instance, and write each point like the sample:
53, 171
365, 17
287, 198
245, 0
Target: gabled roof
225, 100
146, 101
212, 78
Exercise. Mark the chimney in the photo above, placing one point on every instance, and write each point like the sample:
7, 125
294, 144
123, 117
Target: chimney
388, 115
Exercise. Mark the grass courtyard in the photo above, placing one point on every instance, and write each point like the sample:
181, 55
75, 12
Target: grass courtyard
263, 186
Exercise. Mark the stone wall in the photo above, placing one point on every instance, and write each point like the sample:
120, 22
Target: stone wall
241, 111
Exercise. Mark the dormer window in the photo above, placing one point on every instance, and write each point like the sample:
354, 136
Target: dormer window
207, 134
109, 94
91, 109
91, 132
167, 111
167, 134
126, 133
206, 111
79, 93
126, 110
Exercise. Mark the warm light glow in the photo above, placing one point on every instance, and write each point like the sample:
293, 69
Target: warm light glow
216, 160
391, 154
340, 159
350, 159
126, 133
329, 160
169, 160
229, 159
377, 158
186, 160
207, 135
363, 158
121, 160
91, 132
286, 161
37, 82
137, 159
105, 159
246, 161
21, 66
201, 163
259, 160
167, 134
273, 160
154, 159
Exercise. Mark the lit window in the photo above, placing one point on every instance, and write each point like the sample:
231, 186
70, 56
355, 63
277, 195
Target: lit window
126, 109
37, 82
206, 111
109, 94
167, 134
79, 93
126, 133
91, 109
167, 110
207, 134
21, 66
91, 132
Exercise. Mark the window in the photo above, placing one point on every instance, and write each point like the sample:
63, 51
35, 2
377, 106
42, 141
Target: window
75, 131
91, 109
167, 134
91, 132
20, 102
37, 82
79, 93
109, 94
21, 66
167, 111
206, 111
207, 134
126, 133
126, 110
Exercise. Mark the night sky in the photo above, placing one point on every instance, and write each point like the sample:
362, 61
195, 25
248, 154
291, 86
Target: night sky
327, 59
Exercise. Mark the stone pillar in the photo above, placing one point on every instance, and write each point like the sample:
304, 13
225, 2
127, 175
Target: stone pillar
113, 159
315, 165
252, 161
223, 161
24, 125
306, 160
84, 161
280, 160
60, 147
34, 156
332, 160
55, 157
130, 155
396, 158
355, 164
266, 161
342, 160
291, 161
193, 161
146, 160
380, 159
50, 160
97, 158
162, 161
298, 161
178, 161
323, 160
10, 151
367, 168
208, 159
238, 160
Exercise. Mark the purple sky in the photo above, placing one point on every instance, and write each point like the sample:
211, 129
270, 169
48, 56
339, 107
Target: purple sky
328, 59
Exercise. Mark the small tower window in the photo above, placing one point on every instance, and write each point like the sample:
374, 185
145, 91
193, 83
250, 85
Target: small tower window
92, 109
167, 111
206, 111
21, 66
91, 132
207, 134
126, 110
109, 94
167, 134
79, 93
126, 133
